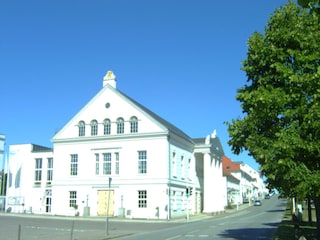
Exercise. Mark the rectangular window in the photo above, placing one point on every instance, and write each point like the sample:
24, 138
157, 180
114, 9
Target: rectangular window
106, 163
174, 165
117, 163
74, 165
142, 199
182, 166
189, 168
97, 164
72, 198
49, 169
174, 199
182, 201
38, 170
142, 162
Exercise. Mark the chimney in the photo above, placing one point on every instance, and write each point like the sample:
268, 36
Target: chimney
110, 79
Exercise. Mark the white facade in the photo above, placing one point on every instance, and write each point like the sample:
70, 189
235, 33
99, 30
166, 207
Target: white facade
116, 157
29, 179
233, 190
256, 185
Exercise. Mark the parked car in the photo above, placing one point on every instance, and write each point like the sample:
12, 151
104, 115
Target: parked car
257, 203
267, 196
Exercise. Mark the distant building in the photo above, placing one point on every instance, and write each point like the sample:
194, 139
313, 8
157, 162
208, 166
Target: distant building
230, 170
243, 182
116, 157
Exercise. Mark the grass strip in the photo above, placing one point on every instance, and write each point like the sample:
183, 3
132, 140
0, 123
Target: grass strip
286, 230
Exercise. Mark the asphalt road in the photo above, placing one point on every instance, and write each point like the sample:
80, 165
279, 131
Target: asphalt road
251, 223
256, 222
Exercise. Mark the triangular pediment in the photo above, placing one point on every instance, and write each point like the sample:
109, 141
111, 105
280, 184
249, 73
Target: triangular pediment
109, 103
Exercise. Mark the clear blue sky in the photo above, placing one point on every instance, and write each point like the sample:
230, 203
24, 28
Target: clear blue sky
179, 58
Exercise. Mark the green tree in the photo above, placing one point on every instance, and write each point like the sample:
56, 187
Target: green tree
280, 126
313, 5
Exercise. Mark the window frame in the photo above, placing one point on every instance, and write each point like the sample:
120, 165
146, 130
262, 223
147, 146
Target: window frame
182, 162
94, 127
120, 125
142, 162
72, 198
74, 161
107, 163
174, 164
97, 162
49, 169
81, 129
117, 163
142, 199
133, 125
106, 127
38, 170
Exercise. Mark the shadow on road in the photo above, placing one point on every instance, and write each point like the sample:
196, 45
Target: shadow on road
248, 233
251, 233
279, 210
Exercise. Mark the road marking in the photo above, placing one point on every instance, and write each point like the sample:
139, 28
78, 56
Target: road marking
173, 237
189, 236
57, 229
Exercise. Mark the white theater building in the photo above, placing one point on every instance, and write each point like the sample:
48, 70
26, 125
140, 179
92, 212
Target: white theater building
116, 157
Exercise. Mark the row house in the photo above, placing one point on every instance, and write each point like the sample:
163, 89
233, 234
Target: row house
242, 181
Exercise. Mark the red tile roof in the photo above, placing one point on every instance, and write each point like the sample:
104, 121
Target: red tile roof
228, 166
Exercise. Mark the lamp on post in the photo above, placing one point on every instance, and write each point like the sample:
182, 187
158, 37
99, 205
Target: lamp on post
107, 219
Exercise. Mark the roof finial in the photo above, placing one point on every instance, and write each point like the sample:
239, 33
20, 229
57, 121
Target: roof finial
214, 134
110, 79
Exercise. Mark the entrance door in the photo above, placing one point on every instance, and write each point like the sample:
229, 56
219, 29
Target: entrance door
103, 196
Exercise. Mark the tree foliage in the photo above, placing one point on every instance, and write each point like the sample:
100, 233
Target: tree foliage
313, 5
281, 102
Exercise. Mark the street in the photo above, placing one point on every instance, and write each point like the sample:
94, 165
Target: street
254, 222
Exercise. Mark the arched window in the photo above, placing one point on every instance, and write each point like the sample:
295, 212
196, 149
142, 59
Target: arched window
106, 127
120, 125
133, 124
94, 128
82, 128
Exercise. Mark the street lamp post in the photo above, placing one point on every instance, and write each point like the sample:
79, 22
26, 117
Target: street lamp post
107, 219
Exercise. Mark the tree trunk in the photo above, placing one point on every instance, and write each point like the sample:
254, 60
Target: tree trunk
309, 211
317, 206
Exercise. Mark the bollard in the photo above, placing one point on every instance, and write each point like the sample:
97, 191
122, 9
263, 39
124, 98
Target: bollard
71, 233
19, 232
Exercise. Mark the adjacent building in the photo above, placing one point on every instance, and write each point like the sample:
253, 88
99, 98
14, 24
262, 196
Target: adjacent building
29, 179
